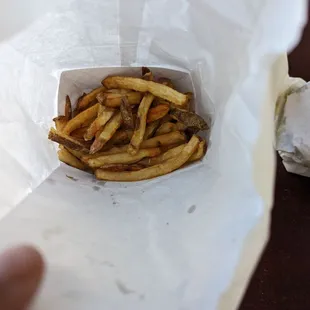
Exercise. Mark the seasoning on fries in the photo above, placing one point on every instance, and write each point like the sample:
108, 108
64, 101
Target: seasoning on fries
130, 129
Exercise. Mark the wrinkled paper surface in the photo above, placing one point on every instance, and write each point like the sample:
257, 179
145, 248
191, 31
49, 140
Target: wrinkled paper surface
292, 127
185, 241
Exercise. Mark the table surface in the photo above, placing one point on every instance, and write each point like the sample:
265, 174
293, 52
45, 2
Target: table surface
281, 280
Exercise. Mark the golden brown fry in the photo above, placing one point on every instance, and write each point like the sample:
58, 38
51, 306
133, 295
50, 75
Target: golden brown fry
121, 158
81, 119
162, 157
67, 141
167, 139
157, 112
157, 89
180, 126
66, 157
113, 150
60, 122
150, 129
79, 133
126, 113
107, 132
68, 108
154, 171
189, 119
165, 142
76, 111
121, 137
113, 100
186, 107
122, 167
138, 134
86, 100
165, 148
77, 154
201, 151
103, 117
166, 128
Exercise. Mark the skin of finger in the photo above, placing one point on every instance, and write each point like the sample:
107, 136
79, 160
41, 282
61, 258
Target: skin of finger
21, 272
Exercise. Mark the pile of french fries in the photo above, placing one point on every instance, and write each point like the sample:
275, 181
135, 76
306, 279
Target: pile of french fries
130, 129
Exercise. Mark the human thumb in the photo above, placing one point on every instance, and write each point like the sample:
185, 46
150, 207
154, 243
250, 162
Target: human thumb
21, 271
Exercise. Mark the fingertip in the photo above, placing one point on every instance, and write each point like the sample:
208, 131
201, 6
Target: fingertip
21, 272
21, 260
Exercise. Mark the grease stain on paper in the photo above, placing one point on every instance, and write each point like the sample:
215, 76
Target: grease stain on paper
123, 288
191, 209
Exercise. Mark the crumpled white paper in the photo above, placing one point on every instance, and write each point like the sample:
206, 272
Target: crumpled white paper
184, 242
292, 127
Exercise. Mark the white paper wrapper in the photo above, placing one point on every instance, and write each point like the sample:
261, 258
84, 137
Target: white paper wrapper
292, 127
188, 240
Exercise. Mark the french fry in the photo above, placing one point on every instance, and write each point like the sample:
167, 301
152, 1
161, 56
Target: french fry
76, 111
166, 128
180, 126
113, 100
60, 122
157, 89
79, 133
166, 119
162, 157
151, 129
157, 112
138, 134
165, 148
68, 108
107, 132
122, 158
86, 100
77, 154
121, 137
122, 167
153, 171
190, 96
66, 157
126, 113
104, 115
67, 141
145, 71
201, 151
113, 150
147, 74
81, 119
163, 140
189, 119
